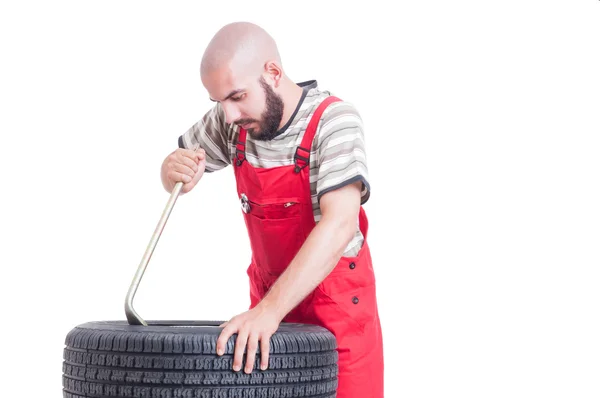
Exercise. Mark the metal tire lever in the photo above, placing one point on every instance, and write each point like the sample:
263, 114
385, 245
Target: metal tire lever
132, 317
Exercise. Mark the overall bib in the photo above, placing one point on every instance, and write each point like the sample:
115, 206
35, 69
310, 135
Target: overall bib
278, 213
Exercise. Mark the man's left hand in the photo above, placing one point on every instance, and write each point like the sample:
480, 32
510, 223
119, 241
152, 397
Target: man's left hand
253, 326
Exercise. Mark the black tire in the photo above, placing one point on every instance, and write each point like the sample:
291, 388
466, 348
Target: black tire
177, 359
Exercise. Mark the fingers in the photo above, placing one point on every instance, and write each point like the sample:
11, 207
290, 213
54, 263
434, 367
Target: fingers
192, 163
251, 352
195, 156
177, 170
191, 184
264, 352
240, 346
187, 166
184, 169
179, 177
249, 336
187, 157
200, 154
224, 337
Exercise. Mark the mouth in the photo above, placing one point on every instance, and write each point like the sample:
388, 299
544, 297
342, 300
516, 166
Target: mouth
246, 125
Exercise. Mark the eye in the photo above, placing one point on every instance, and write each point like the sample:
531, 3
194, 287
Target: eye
239, 97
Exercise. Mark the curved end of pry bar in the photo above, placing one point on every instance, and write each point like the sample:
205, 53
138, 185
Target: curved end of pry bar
132, 317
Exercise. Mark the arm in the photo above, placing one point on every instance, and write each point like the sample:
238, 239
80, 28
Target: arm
213, 136
320, 253
314, 261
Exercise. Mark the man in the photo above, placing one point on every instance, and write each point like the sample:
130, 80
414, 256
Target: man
299, 160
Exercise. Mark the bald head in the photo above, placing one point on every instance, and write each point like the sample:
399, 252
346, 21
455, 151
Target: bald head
239, 46
241, 70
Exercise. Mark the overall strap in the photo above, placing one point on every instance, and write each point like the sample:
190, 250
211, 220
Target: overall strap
240, 148
301, 161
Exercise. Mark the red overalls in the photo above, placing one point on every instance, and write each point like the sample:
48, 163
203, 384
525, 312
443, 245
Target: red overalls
278, 213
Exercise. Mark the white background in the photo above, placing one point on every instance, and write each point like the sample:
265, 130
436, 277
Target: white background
482, 123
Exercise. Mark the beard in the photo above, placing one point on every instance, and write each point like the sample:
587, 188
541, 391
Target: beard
270, 118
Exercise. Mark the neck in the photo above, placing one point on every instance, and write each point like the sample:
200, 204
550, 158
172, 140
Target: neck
291, 94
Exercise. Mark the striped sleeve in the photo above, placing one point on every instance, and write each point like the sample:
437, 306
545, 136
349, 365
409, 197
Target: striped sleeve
214, 136
341, 154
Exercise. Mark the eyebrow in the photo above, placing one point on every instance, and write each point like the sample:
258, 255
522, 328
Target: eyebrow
231, 94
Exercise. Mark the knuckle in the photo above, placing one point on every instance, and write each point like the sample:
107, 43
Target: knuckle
174, 177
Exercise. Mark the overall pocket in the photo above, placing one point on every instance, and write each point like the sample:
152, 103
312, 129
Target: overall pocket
275, 231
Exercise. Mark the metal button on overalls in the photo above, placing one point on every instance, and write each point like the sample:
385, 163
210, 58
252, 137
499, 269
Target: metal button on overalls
245, 204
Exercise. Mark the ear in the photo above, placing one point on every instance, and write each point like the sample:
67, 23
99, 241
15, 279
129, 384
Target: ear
273, 73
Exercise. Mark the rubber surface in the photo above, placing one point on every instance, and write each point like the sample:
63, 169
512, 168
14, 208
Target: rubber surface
177, 359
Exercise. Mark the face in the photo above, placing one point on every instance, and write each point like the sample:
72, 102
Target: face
249, 102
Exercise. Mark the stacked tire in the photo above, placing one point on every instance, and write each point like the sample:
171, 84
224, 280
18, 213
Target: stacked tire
179, 360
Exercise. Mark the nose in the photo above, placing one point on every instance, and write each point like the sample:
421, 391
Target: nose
232, 113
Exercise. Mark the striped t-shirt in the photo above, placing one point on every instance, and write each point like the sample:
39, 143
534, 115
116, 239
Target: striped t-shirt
337, 154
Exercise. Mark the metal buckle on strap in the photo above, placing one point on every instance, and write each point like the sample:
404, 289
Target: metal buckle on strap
297, 156
240, 153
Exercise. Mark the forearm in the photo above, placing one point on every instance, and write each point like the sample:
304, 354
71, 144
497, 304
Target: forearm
315, 260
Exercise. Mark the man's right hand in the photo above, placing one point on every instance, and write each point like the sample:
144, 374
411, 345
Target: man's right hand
183, 165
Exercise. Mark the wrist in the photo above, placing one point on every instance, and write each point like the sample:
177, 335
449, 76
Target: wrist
271, 305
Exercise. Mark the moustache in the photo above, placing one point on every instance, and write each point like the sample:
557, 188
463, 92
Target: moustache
245, 121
